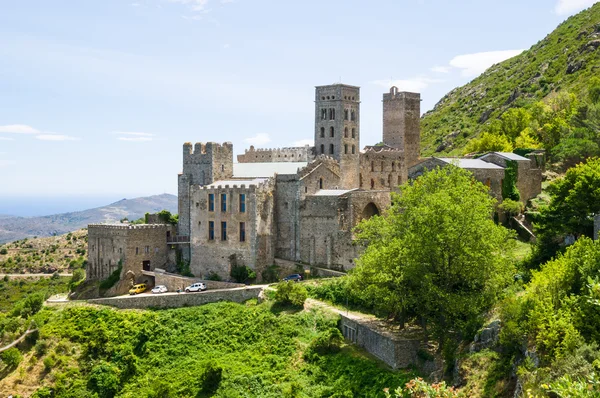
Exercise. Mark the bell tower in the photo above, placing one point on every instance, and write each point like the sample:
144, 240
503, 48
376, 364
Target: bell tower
401, 123
337, 128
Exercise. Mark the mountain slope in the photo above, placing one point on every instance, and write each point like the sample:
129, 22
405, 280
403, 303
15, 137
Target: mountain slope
564, 60
13, 228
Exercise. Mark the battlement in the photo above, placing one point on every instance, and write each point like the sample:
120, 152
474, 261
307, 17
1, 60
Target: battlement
205, 149
374, 149
394, 94
267, 183
127, 226
289, 154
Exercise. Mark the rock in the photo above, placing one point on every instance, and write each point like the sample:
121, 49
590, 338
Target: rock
512, 97
593, 45
487, 337
441, 147
574, 66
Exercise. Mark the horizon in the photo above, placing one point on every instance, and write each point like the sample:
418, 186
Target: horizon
104, 112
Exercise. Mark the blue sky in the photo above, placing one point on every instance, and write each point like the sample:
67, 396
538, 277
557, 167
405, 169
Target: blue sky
97, 97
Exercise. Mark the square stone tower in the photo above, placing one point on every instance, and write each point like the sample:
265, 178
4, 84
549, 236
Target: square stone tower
337, 128
401, 123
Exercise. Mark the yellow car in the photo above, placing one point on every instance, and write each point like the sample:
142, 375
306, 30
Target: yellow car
135, 289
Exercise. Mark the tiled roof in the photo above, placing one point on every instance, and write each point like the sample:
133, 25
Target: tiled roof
470, 163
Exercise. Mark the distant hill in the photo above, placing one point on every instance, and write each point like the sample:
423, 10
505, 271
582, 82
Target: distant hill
565, 60
14, 228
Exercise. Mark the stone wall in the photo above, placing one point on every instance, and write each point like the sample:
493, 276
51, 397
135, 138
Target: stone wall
294, 154
382, 168
395, 351
286, 208
175, 300
529, 175
174, 281
218, 256
401, 123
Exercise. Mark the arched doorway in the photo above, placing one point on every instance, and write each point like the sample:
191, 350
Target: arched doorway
369, 211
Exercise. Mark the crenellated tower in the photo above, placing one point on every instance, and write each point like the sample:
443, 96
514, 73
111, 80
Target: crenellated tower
337, 128
203, 164
401, 123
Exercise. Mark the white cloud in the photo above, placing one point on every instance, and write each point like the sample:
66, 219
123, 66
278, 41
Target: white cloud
567, 7
416, 84
5, 163
304, 142
56, 137
18, 129
6, 139
440, 69
134, 136
258, 139
195, 5
475, 64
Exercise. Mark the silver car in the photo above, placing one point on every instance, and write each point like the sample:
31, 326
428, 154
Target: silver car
196, 287
160, 289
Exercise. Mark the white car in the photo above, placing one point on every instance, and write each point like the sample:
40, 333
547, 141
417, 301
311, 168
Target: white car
160, 289
196, 287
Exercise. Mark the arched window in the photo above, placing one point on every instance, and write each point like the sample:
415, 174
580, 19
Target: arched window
323, 114
353, 149
331, 149
345, 114
353, 115
322, 149
331, 114
322, 132
382, 166
331, 131
372, 183
321, 183
346, 132
393, 166
353, 132
372, 166
346, 149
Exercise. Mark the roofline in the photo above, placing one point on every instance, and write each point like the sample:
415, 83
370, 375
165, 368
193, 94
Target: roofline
338, 84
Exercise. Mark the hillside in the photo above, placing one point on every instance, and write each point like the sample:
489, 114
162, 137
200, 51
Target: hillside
13, 228
564, 60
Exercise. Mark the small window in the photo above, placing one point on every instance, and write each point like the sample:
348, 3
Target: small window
211, 230
223, 230
222, 167
211, 202
305, 189
320, 183
382, 166
353, 132
323, 114
242, 203
137, 251
331, 131
156, 250
399, 181
147, 249
345, 114
393, 166
223, 202
331, 149
346, 149
242, 232
331, 114
353, 149
353, 116
372, 166
390, 180
322, 149
346, 132
322, 132
360, 182
372, 183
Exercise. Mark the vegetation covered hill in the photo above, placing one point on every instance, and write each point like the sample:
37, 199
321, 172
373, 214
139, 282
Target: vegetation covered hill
564, 61
63, 253
13, 228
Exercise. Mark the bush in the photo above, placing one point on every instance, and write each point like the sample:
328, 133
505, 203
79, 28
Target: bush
77, 278
512, 207
32, 304
49, 362
242, 273
211, 378
214, 277
327, 342
291, 293
3, 251
271, 274
104, 380
11, 357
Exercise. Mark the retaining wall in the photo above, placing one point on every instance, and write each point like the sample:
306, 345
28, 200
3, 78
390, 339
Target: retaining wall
174, 300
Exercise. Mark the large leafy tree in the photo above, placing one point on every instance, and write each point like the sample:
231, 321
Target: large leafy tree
574, 199
436, 255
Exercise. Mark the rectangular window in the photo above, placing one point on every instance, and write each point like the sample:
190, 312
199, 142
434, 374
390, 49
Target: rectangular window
211, 230
137, 251
147, 249
242, 232
223, 230
242, 203
223, 202
211, 202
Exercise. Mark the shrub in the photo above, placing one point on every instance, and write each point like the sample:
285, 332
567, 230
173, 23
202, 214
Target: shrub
104, 380
271, 274
214, 277
11, 357
112, 279
327, 342
512, 207
242, 273
78, 276
211, 378
32, 304
291, 293
49, 362
418, 388
3, 251
40, 348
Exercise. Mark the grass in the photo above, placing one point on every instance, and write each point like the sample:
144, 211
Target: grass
17, 289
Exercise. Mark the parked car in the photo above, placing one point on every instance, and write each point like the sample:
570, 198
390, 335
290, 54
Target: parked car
136, 289
196, 287
160, 289
293, 277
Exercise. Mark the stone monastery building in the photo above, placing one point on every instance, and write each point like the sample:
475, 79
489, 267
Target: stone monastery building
298, 204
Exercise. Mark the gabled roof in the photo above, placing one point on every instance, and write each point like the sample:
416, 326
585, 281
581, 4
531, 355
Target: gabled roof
470, 163
507, 155
255, 170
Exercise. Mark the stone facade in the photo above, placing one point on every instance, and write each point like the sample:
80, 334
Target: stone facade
402, 123
135, 247
295, 154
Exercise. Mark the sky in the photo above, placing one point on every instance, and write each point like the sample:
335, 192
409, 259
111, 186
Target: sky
98, 97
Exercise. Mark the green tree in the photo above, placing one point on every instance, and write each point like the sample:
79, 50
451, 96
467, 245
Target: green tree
594, 90
514, 121
291, 293
436, 255
12, 357
489, 142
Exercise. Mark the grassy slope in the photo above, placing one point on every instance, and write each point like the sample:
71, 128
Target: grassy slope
533, 75
164, 353
60, 253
